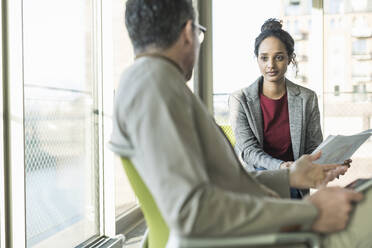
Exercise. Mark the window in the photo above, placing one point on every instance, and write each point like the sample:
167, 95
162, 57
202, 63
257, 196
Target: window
234, 62
58, 191
334, 55
347, 64
235, 26
60, 124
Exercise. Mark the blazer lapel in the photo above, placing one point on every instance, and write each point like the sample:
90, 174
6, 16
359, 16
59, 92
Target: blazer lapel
295, 117
253, 102
255, 108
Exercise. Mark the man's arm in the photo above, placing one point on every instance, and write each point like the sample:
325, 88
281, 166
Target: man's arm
276, 180
302, 174
334, 204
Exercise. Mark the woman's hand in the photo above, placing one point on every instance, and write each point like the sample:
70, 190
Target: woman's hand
347, 162
286, 164
305, 174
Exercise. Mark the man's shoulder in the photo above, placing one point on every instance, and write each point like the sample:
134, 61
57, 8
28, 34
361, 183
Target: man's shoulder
152, 72
146, 85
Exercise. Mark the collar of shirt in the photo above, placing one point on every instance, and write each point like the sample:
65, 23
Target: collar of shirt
162, 57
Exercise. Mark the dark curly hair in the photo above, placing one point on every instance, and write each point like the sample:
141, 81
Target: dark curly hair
156, 22
273, 27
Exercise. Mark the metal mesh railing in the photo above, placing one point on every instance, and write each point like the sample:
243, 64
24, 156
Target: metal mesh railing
221, 108
61, 176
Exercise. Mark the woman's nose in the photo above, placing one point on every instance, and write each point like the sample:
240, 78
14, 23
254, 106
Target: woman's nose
270, 63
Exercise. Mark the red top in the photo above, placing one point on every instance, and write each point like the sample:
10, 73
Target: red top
277, 136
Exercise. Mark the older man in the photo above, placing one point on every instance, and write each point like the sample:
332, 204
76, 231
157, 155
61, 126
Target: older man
189, 166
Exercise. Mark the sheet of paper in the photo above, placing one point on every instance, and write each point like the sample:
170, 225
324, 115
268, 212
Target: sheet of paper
336, 149
360, 184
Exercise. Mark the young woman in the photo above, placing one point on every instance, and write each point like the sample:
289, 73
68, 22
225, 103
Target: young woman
274, 120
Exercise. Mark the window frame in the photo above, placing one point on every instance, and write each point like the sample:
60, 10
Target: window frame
13, 211
14, 184
107, 96
2, 170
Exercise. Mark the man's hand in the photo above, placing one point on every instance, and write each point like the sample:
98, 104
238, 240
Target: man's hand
334, 205
304, 174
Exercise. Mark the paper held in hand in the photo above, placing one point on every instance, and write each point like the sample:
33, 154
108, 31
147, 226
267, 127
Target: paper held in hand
336, 149
360, 184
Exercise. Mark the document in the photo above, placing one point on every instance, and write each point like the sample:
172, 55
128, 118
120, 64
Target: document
360, 184
337, 148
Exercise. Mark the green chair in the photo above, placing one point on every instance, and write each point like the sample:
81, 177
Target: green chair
229, 133
158, 231
158, 234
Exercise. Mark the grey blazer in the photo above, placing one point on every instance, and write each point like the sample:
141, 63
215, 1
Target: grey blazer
187, 163
247, 124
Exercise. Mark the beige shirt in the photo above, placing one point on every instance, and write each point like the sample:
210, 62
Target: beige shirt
188, 164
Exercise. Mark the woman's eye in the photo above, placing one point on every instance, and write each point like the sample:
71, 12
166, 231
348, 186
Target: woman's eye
264, 58
279, 57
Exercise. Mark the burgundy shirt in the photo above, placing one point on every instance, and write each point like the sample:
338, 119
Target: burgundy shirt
276, 133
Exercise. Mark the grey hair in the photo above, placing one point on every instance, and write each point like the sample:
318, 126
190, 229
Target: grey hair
156, 23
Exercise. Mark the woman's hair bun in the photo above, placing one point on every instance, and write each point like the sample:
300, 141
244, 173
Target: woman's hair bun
272, 24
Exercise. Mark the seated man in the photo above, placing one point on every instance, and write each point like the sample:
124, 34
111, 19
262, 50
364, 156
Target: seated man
188, 164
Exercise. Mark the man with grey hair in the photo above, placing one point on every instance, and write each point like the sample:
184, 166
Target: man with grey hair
187, 163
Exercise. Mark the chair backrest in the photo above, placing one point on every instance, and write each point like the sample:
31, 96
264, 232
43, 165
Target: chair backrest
229, 133
158, 230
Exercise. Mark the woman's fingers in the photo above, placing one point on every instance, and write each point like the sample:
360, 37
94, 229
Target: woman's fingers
328, 167
347, 162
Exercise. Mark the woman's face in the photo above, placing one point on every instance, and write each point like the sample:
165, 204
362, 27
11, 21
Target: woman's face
272, 59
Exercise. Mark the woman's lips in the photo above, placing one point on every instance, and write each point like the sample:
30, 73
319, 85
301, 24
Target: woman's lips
272, 73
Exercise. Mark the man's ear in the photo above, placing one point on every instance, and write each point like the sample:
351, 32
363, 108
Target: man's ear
188, 32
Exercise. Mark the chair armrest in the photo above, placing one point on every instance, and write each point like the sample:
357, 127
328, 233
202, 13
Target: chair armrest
310, 239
